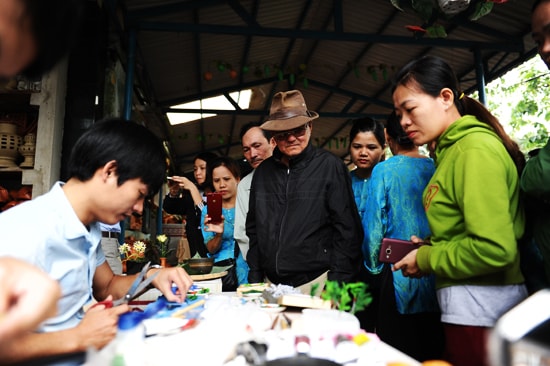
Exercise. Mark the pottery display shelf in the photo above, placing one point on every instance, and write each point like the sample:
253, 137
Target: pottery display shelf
9, 144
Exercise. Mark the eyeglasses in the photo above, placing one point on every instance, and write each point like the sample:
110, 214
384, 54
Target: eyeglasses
297, 132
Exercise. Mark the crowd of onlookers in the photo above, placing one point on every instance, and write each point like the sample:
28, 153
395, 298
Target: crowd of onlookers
299, 218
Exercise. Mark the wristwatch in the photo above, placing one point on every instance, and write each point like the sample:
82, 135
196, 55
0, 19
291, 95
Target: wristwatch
156, 266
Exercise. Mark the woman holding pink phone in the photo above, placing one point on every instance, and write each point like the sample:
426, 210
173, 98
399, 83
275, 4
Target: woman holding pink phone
218, 236
472, 203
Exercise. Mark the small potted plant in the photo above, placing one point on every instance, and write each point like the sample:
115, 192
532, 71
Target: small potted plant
163, 249
134, 254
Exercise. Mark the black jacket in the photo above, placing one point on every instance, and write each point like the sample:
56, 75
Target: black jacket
302, 220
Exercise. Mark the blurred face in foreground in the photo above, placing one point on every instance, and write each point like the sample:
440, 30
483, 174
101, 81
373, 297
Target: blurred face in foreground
17, 45
540, 27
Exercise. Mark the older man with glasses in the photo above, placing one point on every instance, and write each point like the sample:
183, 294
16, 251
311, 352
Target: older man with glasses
302, 224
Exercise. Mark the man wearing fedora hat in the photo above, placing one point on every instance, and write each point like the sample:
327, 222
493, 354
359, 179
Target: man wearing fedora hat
303, 224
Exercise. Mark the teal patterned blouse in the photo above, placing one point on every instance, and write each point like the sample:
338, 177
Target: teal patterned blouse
359, 187
394, 209
227, 246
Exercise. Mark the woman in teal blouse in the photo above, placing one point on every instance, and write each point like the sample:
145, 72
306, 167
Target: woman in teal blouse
218, 238
394, 209
366, 149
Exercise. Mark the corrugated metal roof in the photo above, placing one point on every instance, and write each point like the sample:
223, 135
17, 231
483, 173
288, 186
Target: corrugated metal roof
342, 55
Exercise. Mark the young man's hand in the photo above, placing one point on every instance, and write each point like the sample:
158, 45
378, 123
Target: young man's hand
168, 276
99, 326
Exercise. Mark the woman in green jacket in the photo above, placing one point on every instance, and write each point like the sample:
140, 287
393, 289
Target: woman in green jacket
472, 205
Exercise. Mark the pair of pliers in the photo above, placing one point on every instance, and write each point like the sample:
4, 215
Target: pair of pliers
137, 287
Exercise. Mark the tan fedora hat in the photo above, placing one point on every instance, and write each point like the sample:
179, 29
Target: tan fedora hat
288, 111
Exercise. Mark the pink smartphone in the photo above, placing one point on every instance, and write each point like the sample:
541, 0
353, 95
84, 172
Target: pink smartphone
393, 250
214, 207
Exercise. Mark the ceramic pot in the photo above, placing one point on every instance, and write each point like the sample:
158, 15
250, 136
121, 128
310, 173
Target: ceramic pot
196, 266
453, 7
27, 149
9, 143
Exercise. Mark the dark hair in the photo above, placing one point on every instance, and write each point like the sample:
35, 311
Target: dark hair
227, 162
368, 124
396, 132
431, 74
206, 156
55, 26
137, 151
249, 125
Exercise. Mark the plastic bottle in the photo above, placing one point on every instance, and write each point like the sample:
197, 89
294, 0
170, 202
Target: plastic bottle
129, 341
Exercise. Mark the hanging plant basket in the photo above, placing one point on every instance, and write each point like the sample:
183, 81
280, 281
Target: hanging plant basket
453, 7
433, 12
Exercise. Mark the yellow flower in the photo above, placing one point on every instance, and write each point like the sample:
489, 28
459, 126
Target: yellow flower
162, 244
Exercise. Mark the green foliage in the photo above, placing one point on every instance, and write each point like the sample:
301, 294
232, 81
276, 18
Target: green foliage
314, 289
521, 101
436, 31
482, 9
350, 297
424, 8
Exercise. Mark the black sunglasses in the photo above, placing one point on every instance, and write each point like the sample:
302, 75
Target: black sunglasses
297, 132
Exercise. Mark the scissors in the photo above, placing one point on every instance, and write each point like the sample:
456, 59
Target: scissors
137, 287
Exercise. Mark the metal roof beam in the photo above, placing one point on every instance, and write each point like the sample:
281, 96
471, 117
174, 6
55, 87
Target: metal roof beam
350, 94
197, 41
244, 61
338, 16
256, 112
225, 91
289, 47
357, 59
464, 22
217, 92
511, 45
248, 19
167, 9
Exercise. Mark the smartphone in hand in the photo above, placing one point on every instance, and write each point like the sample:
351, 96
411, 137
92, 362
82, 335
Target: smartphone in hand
214, 207
393, 250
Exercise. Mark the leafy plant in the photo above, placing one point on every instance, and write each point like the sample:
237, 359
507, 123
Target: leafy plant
518, 99
430, 13
350, 297
162, 245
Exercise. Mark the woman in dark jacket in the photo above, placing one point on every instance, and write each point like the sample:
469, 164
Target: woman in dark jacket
188, 199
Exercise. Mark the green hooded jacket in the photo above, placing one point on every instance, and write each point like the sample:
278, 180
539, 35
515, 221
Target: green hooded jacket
535, 182
473, 208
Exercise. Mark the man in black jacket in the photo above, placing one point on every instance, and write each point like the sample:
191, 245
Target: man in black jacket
303, 224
